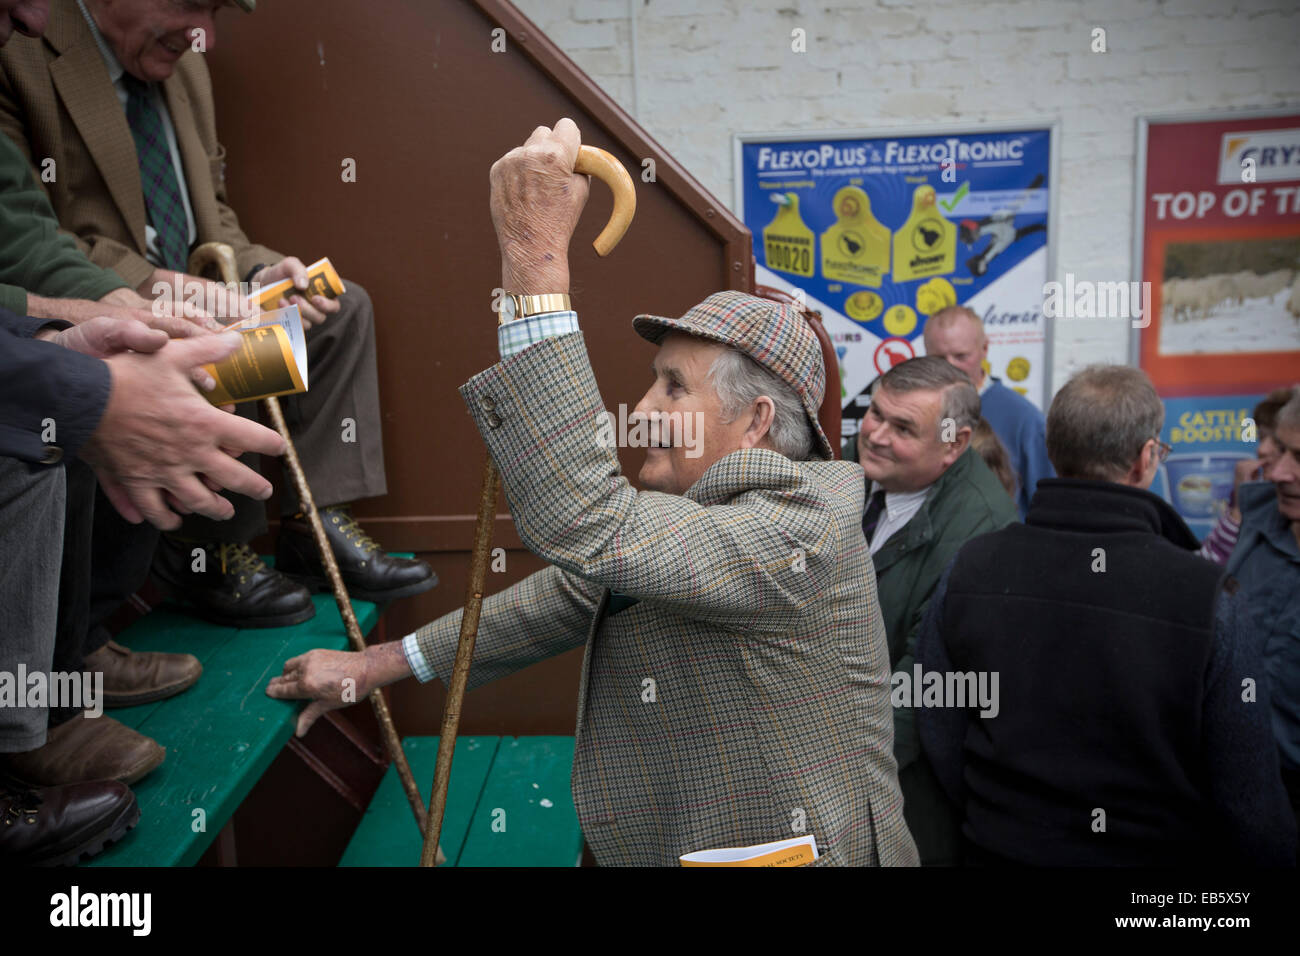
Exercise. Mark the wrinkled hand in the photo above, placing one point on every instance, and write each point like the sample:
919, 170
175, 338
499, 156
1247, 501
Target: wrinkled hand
313, 311
159, 442
321, 677
107, 335
536, 201
182, 305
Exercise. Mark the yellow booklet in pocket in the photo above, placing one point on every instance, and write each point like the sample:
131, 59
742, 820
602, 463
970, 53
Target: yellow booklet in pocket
799, 851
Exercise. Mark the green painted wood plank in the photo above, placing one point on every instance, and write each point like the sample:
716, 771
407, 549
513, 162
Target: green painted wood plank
387, 835
221, 734
169, 628
530, 783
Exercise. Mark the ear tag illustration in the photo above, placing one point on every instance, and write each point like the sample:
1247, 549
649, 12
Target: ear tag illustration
926, 245
787, 242
856, 248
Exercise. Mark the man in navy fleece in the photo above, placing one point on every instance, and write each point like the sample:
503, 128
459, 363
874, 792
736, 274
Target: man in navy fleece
957, 334
1132, 725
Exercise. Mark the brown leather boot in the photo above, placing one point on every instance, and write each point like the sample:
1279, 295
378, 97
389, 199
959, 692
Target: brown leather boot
132, 678
86, 748
59, 826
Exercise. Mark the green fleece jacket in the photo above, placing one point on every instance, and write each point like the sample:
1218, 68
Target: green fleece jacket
968, 500
34, 255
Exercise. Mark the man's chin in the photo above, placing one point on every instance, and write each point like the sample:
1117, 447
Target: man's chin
656, 479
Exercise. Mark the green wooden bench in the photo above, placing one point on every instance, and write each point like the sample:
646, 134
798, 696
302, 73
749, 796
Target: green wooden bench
222, 734
508, 804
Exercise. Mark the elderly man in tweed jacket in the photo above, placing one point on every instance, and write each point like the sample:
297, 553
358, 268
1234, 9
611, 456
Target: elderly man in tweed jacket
741, 584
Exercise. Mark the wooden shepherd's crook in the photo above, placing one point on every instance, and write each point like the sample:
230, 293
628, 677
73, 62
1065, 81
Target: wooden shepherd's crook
591, 162
223, 257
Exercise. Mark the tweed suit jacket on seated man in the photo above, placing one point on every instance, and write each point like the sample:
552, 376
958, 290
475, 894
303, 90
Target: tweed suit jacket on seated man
757, 622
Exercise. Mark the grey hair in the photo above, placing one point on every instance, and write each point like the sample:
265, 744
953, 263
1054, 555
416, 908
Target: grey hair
1100, 420
929, 373
1288, 416
740, 381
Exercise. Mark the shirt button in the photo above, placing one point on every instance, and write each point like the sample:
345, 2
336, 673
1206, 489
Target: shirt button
53, 455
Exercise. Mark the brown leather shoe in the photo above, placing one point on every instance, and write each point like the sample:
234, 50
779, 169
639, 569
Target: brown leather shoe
59, 826
132, 677
86, 748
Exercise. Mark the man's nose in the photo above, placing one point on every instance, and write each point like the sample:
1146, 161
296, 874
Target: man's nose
1285, 470
646, 405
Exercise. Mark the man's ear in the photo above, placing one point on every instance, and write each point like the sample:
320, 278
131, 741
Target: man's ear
953, 449
760, 423
1145, 462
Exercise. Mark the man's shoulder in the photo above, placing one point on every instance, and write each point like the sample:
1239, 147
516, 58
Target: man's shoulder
1007, 403
969, 490
837, 485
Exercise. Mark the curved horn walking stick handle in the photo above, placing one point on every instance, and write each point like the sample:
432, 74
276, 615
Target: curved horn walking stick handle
598, 163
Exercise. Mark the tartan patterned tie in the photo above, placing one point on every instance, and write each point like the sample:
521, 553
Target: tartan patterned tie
872, 517
162, 191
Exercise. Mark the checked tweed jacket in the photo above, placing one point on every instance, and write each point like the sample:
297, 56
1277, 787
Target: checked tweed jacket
757, 621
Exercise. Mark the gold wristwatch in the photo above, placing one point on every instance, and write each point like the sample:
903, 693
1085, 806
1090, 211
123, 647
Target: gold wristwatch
521, 306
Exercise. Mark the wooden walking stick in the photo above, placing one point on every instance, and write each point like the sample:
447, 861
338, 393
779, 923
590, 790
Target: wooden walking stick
223, 257
591, 162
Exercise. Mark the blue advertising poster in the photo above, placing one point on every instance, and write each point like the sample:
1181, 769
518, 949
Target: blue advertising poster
1206, 434
878, 234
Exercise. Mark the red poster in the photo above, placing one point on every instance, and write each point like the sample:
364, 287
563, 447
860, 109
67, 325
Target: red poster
1220, 247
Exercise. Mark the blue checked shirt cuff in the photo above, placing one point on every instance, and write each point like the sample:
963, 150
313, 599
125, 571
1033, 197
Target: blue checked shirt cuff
419, 666
514, 337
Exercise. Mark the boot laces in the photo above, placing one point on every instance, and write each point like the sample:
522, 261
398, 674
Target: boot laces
353, 531
238, 558
20, 802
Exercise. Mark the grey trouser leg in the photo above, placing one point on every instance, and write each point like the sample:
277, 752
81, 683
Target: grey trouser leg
31, 550
343, 462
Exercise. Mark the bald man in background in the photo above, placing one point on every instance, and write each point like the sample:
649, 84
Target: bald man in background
957, 335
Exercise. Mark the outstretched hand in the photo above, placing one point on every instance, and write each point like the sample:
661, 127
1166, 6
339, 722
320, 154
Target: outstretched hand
160, 443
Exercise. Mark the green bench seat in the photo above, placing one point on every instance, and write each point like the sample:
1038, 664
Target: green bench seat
508, 804
222, 734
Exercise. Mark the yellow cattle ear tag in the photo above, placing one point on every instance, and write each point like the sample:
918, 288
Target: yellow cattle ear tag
787, 242
927, 243
856, 248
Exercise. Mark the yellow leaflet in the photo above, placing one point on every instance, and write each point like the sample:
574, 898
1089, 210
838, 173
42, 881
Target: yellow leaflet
856, 248
926, 245
787, 242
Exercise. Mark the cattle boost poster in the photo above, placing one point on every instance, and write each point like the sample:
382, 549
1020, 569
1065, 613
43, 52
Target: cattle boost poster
1218, 239
880, 233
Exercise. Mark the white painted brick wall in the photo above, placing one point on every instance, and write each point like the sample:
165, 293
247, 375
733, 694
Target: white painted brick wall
706, 69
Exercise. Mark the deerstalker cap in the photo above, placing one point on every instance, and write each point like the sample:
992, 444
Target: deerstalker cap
773, 334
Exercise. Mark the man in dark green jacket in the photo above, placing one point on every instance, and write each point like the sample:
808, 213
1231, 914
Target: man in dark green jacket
42, 272
929, 493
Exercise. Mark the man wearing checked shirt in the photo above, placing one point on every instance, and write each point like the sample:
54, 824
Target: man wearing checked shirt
738, 581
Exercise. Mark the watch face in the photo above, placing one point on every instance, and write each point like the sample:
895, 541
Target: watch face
507, 308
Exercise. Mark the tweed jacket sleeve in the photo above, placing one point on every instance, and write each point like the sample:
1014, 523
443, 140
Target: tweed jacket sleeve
543, 615
746, 547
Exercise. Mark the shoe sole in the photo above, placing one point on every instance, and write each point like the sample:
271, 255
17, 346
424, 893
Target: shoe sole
228, 620
98, 842
113, 701
320, 584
